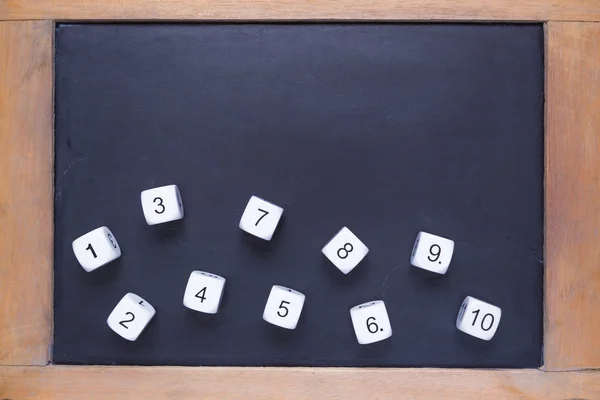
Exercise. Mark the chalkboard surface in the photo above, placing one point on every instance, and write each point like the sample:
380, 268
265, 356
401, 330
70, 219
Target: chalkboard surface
387, 129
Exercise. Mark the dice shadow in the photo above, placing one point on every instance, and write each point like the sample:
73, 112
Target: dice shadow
105, 275
264, 248
354, 277
428, 278
166, 232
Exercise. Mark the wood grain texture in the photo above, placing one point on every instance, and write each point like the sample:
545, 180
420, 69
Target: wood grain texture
26, 146
572, 324
462, 10
64, 383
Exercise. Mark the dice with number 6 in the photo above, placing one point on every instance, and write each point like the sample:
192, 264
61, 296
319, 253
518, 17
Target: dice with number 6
345, 250
478, 318
204, 292
432, 253
162, 204
96, 248
131, 316
284, 307
260, 218
371, 322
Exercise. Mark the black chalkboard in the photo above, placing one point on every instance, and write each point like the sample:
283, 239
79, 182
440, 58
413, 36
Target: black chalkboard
388, 129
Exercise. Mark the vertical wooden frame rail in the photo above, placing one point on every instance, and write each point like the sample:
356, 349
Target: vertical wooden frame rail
572, 152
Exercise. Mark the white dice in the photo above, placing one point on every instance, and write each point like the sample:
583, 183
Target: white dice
260, 218
131, 316
284, 307
204, 292
162, 204
478, 318
371, 322
345, 250
96, 248
432, 253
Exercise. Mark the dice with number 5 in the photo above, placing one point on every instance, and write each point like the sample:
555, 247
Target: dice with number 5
284, 307
162, 204
260, 218
371, 322
478, 318
432, 253
204, 292
96, 248
345, 250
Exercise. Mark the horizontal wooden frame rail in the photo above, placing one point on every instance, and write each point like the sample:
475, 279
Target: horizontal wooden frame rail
324, 10
572, 143
76, 383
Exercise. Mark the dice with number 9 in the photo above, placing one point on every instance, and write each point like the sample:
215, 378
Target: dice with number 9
96, 248
432, 253
260, 218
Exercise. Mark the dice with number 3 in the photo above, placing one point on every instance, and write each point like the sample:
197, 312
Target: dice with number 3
96, 248
345, 250
260, 218
162, 204
432, 253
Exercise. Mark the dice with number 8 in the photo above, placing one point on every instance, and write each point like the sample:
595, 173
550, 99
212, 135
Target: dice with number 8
478, 318
260, 218
345, 250
96, 248
432, 253
371, 322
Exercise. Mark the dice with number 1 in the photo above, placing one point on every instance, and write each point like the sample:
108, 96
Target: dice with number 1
96, 248
260, 218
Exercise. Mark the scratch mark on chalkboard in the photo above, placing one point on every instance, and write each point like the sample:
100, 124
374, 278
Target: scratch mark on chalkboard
58, 187
537, 256
385, 281
427, 220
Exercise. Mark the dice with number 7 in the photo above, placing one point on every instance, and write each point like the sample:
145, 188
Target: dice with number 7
96, 248
260, 218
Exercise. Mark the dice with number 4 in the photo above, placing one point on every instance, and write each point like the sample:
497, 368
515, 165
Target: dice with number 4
204, 292
260, 218
131, 316
371, 322
432, 252
478, 318
345, 250
284, 307
96, 248
162, 204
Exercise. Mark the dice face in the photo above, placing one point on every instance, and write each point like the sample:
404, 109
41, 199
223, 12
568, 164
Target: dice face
478, 318
260, 218
371, 322
345, 250
162, 204
131, 316
432, 253
204, 292
96, 248
284, 307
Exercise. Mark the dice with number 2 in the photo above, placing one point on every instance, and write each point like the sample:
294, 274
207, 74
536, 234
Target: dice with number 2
345, 250
131, 316
260, 218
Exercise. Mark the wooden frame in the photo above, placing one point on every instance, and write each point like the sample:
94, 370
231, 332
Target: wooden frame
572, 198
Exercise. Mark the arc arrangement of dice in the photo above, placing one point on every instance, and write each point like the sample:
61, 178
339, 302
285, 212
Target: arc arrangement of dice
204, 290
